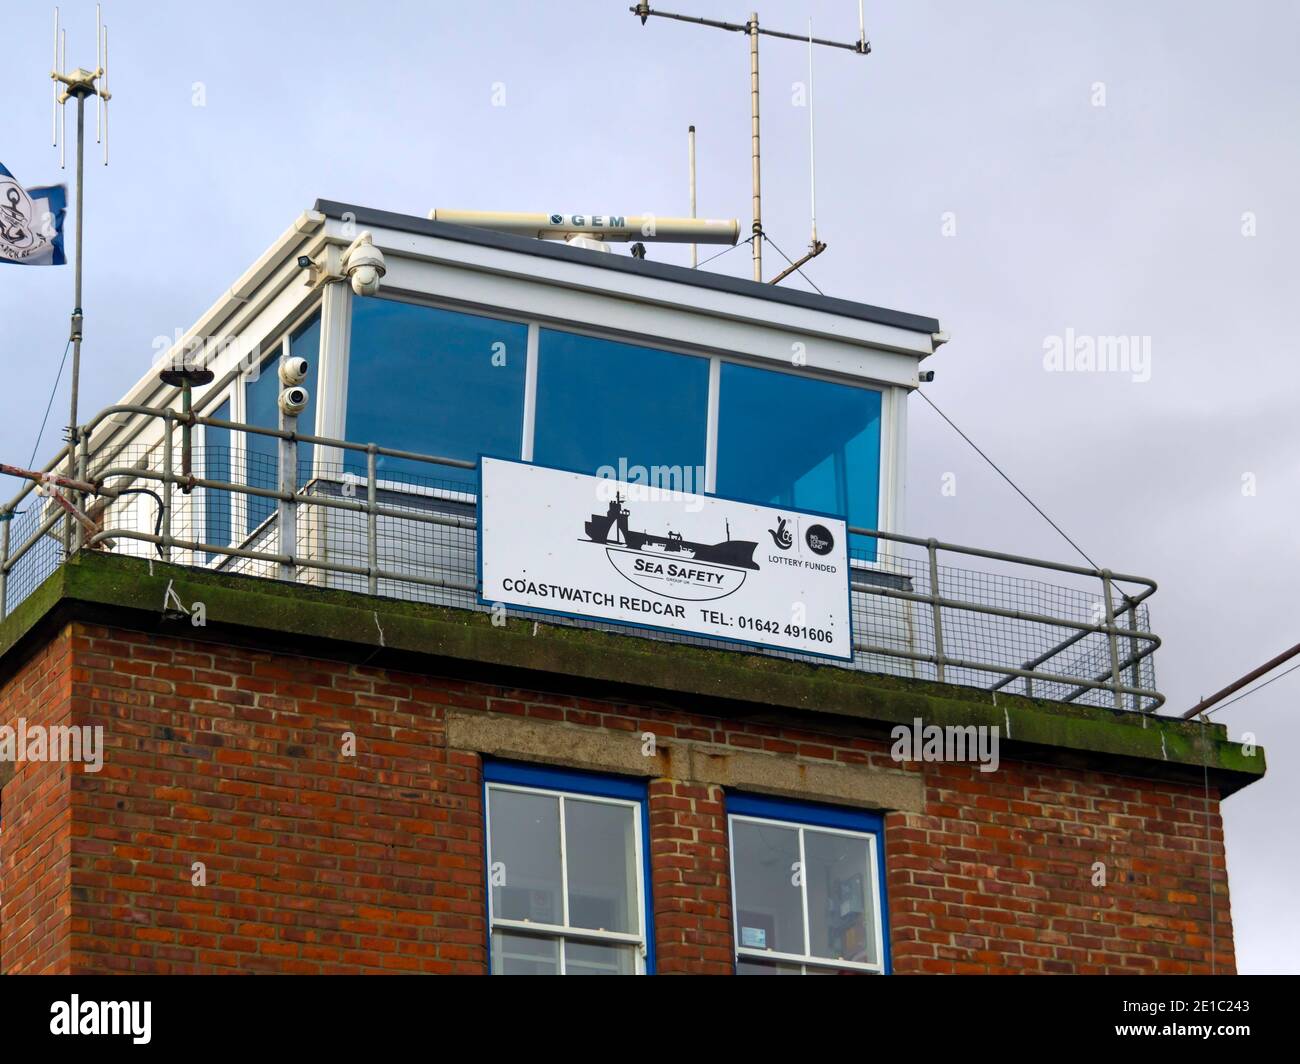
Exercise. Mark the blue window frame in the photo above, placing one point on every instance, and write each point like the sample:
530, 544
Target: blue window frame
795, 441
216, 465
435, 382
262, 408
568, 874
808, 888
601, 403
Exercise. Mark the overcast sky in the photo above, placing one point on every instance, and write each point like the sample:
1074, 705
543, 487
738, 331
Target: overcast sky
1016, 169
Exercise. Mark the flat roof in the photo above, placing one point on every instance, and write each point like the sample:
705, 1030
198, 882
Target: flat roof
408, 223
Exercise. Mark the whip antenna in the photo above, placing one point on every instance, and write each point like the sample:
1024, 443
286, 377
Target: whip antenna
812, 140
690, 151
54, 87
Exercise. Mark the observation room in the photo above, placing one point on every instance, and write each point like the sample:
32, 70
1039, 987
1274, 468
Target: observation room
327, 422
412, 348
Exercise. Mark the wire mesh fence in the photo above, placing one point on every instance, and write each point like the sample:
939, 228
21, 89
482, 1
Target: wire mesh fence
44, 553
410, 533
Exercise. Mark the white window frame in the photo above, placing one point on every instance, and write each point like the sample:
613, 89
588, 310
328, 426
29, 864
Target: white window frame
564, 932
806, 961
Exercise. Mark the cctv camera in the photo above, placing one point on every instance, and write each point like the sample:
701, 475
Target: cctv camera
304, 262
364, 265
293, 401
293, 371
365, 280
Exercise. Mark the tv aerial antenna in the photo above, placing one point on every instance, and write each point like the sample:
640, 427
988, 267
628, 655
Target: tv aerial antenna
77, 85
753, 31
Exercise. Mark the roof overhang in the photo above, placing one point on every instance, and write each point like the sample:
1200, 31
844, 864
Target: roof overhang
614, 267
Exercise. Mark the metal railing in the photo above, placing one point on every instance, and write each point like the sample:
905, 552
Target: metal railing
391, 522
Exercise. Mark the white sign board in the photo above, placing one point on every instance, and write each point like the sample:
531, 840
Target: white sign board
593, 547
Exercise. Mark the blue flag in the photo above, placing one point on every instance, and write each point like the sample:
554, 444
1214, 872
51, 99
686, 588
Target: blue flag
31, 223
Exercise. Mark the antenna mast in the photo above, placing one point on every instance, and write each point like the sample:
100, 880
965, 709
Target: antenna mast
690, 151
77, 85
751, 28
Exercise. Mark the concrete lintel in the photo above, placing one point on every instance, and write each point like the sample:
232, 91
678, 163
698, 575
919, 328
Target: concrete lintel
602, 750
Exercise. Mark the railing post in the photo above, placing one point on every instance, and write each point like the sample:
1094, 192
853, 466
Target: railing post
1112, 638
372, 542
1135, 673
69, 529
6, 519
78, 499
287, 507
166, 493
187, 440
936, 610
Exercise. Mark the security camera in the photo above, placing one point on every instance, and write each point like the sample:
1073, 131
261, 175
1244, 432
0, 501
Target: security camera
293, 371
364, 265
293, 401
304, 262
365, 280
925, 376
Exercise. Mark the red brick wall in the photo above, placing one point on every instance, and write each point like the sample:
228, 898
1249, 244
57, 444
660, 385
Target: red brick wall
315, 861
690, 879
318, 862
997, 876
36, 824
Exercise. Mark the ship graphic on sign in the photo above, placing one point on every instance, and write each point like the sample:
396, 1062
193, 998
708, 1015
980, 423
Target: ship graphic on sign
671, 565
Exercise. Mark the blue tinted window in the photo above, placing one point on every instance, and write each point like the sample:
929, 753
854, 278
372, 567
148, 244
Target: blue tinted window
433, 382
600, 403
262, 400
216, 466
792, 441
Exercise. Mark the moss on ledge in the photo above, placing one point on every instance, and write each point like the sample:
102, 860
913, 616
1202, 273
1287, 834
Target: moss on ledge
307, 620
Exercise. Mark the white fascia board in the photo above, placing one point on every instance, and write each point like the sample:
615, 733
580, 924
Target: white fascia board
647, 306
250, 334
308, 222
